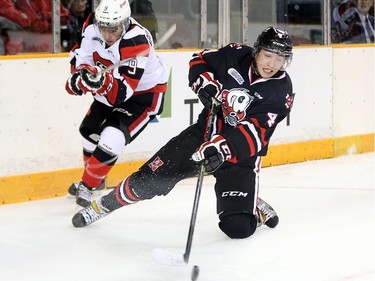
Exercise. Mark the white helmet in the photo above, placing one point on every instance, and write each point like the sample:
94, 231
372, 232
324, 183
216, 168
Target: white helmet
112, 13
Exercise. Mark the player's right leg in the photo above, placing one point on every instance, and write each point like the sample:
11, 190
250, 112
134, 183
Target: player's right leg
240, 209
236, 192
90, 130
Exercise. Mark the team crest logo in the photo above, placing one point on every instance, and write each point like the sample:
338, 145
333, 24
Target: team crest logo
156, 163
235, 103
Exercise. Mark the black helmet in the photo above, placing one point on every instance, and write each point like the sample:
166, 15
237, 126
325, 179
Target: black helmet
277, 41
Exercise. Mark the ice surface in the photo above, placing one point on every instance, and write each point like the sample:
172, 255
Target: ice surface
326, 232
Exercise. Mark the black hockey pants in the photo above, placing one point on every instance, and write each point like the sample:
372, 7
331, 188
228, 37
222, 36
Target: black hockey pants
236, 184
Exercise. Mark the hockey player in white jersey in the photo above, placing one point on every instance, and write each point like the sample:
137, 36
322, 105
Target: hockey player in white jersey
126, 97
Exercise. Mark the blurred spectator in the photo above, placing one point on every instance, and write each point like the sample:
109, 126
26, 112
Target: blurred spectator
11, 18
352, 22
71, 33
143, 12
40, 13
367, 18
371, 12
27, 25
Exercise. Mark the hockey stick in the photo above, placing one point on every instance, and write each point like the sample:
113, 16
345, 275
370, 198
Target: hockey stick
166, 257
121, 62
171, 30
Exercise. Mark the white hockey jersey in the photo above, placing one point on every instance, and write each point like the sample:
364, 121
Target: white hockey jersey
143, 70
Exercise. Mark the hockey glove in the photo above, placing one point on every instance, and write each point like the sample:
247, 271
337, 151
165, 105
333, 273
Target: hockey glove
95, 82
212, 153
206, 87
72, 84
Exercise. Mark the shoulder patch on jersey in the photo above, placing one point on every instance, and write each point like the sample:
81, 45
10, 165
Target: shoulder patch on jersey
100, 40
236, 75
156, 163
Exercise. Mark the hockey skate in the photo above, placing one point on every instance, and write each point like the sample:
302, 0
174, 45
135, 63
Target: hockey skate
266, 214
83, 195
90, 214
74, 186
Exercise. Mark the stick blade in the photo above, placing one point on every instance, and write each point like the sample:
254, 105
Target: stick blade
166, 257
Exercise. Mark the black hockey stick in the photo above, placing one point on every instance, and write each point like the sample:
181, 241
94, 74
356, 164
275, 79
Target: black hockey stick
168, 258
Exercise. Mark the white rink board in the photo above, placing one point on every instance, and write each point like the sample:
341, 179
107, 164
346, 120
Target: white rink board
40, 121
354, 91
311, 116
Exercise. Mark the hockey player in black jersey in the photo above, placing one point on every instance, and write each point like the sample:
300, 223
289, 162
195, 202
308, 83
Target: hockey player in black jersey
255, 94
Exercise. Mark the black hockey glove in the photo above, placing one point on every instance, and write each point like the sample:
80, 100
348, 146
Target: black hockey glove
72, 84
206, 87
96, 82
212, 153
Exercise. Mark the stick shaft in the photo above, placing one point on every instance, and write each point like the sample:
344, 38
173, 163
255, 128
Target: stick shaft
121, 62
198, 188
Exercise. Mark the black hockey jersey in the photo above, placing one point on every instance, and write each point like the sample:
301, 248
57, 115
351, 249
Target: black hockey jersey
252, 106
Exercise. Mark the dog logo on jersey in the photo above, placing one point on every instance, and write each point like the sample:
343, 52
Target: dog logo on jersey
235, 103
156, 163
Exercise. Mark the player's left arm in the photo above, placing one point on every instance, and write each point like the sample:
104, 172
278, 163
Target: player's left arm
252, 135
248, 138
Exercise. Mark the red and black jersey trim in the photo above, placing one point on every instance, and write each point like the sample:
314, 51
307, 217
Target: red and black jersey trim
88, 21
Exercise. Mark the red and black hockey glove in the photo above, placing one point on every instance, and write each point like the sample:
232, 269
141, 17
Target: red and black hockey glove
207, 88
72, 84
94, 81
213, 153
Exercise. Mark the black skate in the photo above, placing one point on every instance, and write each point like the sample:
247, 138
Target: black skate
266, 214
90, 214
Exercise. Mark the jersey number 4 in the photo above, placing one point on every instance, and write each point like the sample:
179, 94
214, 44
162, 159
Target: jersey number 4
271, 119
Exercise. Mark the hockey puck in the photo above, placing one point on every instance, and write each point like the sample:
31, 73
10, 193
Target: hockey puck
195, 273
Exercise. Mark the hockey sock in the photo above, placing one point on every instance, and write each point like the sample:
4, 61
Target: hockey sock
98, 166
121, 196
86, 157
